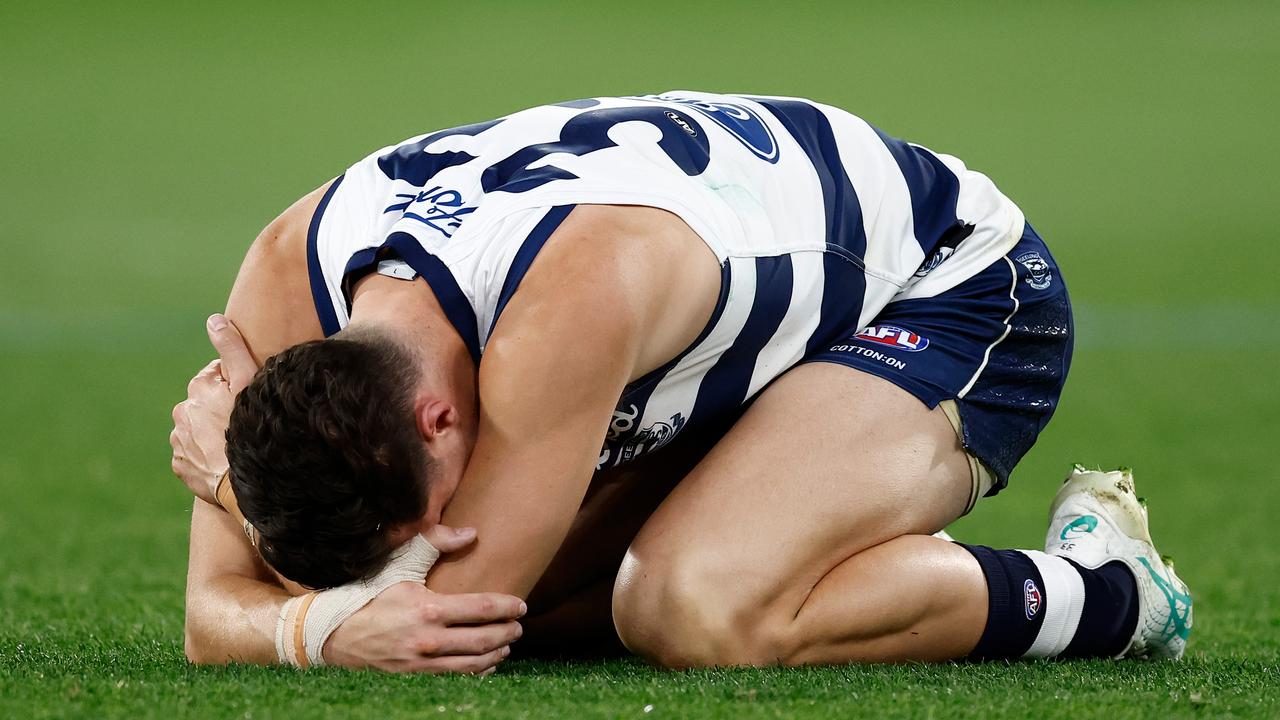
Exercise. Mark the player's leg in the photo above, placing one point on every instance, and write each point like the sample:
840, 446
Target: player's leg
798, 539
791, 543
804, 536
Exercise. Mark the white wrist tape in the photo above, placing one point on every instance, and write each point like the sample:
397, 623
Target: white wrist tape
307, 621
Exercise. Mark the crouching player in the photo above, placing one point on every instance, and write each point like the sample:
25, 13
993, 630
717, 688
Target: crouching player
826, 342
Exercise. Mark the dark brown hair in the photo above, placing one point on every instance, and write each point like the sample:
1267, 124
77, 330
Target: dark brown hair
326, 459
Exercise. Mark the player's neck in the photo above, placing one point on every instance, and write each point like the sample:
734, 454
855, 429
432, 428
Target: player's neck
409, 311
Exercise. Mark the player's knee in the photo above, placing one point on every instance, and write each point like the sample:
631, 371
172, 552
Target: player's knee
687, 612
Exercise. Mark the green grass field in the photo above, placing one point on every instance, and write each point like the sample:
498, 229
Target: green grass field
142, 148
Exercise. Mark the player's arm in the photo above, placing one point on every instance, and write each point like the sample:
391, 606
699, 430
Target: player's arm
233, 601
560, 356
270, 303
270, 306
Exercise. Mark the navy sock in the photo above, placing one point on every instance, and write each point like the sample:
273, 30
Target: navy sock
1015, 603
1110, 612
1083, 612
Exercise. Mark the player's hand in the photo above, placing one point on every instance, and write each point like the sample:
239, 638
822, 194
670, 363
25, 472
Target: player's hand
199, 427
238, 366
200, 422
408, 628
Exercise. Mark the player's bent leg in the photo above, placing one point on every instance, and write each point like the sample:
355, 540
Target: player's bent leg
783, 546
802, 536
797, 539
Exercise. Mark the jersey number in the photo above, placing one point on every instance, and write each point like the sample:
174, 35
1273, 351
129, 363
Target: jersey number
683, 141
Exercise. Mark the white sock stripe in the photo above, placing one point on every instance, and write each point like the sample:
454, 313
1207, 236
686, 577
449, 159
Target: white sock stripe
1063, 604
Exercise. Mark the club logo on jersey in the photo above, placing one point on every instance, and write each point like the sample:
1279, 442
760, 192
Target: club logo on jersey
1039, 274
439, 209
894, 337
1033, 598
619, 449
623, 422
740, 121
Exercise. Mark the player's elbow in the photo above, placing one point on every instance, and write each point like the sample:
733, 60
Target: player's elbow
197, 643
192, 650
200, 650
195, 650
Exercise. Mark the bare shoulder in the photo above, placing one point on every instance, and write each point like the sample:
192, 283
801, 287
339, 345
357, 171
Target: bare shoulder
631, 271
640, 231
633, 252
271, 302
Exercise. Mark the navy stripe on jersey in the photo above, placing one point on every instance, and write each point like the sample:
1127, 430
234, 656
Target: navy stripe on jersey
811, 129
358, 266
725, 385
452, 300
525, 255
363, 263
934, 189
843, 292
319, 288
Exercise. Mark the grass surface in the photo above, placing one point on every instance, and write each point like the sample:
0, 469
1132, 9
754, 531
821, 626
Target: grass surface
143, 147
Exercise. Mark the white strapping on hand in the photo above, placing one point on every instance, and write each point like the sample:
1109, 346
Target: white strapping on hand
330, 608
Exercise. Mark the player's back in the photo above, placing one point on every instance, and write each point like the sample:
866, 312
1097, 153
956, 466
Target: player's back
817, 218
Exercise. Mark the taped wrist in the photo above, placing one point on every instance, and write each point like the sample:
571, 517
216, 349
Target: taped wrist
226, 498
306, 621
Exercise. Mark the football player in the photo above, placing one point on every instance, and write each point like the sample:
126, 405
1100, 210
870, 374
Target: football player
827, 343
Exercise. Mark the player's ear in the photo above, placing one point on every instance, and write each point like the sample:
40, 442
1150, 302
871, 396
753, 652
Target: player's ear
434, 417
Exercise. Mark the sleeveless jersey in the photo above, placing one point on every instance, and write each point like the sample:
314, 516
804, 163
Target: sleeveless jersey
819, 220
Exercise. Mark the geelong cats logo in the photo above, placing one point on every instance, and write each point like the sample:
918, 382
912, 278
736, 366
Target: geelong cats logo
1040, 274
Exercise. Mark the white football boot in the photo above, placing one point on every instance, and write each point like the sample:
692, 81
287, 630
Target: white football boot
1096, 518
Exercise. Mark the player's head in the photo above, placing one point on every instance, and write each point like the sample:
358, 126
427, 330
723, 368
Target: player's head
332, 452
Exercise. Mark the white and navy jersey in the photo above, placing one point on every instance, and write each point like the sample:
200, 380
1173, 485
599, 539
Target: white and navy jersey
819, 220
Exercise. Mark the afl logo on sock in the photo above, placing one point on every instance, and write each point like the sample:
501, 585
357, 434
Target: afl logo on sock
1033, 597
893, 337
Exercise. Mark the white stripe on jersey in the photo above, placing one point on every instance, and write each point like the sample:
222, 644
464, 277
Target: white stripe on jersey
889, 223
998, 225
677, 392
803, 314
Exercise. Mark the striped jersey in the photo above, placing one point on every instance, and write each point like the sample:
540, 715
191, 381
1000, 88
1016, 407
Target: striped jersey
819, 220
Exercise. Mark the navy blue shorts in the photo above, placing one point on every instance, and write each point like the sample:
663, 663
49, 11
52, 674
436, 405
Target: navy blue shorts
999, 344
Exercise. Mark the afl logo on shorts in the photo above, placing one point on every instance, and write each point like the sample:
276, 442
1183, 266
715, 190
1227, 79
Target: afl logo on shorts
1033, 598
895, 337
